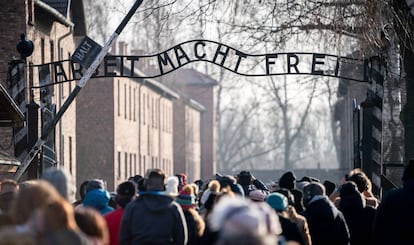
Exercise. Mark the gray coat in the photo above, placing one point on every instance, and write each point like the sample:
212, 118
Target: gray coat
153, 218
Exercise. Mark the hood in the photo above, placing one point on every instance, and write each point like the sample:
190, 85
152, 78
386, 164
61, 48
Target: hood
156, 201
322, 209
352, 202
97, 199
287, 180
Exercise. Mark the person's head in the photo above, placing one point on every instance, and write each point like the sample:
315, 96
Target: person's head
62, 181
155, 180
186, 197
288, 194
288, 180
92, 224
239, 221
172, 186
312, 190
277, 201
58, 214
257, 195
329, 186
125, 192
244, 178
32, 194
94, 184
361, 180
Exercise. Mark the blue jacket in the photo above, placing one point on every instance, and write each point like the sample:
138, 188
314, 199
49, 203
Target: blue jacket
98, 199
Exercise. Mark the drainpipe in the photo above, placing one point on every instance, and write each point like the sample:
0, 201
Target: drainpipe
59, 100
139, 128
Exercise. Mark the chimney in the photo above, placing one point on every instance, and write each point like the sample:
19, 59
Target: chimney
123, 48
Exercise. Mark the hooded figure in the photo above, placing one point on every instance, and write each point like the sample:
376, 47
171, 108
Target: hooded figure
153, 218
99, 200
326, 223
358, 216
288, 181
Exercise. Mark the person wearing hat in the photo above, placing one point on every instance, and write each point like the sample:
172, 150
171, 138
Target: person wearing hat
125, 193
97, 197
153, 217
327, 224
289, 229
195, 224
288, 181
248, 182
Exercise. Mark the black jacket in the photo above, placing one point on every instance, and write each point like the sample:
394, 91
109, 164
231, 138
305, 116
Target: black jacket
359, 218
327, 224
394, 221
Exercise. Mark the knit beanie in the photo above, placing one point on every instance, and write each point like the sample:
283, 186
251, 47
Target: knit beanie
277, 201
186, 197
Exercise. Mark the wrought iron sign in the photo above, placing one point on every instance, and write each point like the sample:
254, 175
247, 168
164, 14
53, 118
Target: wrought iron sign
282, 63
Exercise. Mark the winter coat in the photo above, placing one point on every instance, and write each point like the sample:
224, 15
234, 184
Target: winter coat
113, 222
153, 218
98, 199
327, 224
359, 218
290, 231
394, 220
301, 223
64, 237
192, 227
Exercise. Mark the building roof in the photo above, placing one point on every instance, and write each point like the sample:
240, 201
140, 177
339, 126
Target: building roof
62, 6
190, 77
10, 114
68, 12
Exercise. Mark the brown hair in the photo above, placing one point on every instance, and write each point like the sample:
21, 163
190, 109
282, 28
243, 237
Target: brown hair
92, 223
32, 194
59, 214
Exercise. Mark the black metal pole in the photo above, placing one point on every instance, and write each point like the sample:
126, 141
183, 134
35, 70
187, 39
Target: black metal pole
80, 84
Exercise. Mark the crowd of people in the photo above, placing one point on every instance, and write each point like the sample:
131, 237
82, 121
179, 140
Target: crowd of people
225, 210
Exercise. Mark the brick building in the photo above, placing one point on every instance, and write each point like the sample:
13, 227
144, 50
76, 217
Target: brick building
116, 127
54, 26
200, 87
124, 127
187, 137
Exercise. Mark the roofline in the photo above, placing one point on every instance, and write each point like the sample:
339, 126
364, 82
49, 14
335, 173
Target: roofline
13, 104
55, 13
194, 104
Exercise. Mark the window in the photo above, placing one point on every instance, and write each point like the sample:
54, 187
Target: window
42, 51
135, 103
62, 157
135, 164
130, 164
143, 111
30, 17
70, 155
52, 51
119, 165
125, 101
130, 104
119, 98
126, 165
